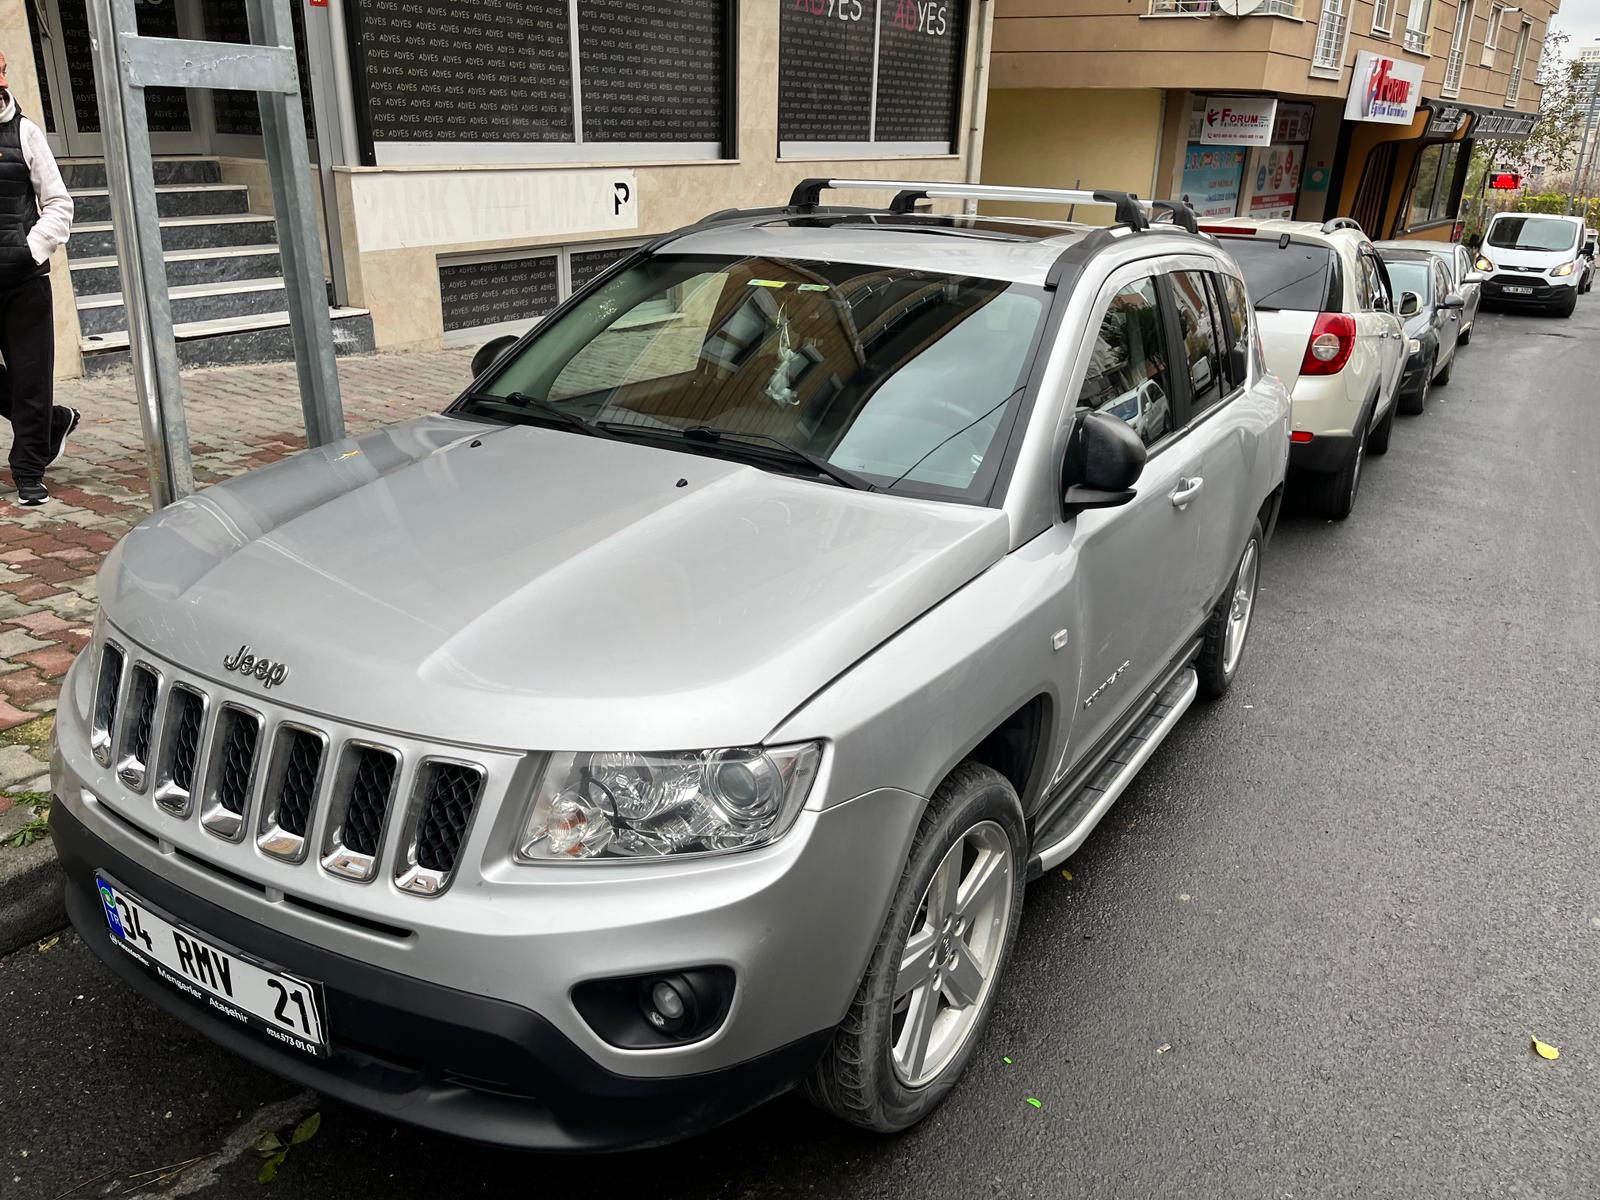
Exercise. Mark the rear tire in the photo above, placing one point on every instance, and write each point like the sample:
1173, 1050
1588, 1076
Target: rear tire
870, 1074
1335, 495
1222, 652
1378, 439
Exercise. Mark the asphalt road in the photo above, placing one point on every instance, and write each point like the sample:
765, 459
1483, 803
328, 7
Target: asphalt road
1344, 897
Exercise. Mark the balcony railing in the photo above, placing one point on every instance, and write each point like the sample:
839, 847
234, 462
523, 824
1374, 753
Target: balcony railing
1206, 8
1417, 40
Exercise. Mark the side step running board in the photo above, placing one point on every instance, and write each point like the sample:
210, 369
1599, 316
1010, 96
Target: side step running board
1101, 792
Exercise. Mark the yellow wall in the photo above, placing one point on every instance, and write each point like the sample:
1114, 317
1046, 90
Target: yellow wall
1063, 137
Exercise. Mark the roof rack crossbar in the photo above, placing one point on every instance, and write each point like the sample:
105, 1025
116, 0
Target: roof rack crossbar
1130, 209
1182, 215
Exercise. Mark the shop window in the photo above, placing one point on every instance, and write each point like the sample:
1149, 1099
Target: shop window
869, 77
521, 81
1433, 185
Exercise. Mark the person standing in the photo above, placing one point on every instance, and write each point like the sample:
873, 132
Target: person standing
35, 219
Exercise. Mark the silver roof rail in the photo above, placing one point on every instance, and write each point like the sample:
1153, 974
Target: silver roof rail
1129, 208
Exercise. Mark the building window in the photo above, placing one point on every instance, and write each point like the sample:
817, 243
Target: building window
1383, 17
1419, 26
483, 295
1458, 49
1331, 28
1515, 85
1491, 36
1433, 185
1182, 8
538, 80
868, 78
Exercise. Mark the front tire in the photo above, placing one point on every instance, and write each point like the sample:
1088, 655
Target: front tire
1413, 405
920, 1009
1222, 652
1566, 306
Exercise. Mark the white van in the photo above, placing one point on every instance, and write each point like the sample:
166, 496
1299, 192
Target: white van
1534, 260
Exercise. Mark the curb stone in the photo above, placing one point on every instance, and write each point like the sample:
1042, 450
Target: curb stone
32, 886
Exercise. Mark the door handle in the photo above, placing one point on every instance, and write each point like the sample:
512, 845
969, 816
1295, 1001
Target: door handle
1186, 491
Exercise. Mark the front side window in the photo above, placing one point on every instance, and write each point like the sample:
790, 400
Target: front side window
905, 379
1197, 319
1531, 233
1410, 277
1128, 367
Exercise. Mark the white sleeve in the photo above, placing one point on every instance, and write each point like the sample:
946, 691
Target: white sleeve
55, 202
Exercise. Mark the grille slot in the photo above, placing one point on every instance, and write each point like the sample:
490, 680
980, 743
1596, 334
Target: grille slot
291, 791
235, 747
138, 729
446, 798
362, 792
107, 688
186, 716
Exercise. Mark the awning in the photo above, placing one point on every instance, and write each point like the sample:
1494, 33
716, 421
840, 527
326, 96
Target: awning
1489, 122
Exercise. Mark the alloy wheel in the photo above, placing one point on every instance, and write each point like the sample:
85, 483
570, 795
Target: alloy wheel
1240, 608
952, 955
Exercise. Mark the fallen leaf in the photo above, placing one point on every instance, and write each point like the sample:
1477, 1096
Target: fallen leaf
1035, 1103
1006, 1058
1184, 897
1164, 1047
49, 943
1545, 1050
1066, 874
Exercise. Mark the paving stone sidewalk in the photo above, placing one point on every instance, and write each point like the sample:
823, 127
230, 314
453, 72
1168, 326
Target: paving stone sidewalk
239, 418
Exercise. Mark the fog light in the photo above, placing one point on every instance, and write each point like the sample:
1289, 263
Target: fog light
643, 1012
666, 1005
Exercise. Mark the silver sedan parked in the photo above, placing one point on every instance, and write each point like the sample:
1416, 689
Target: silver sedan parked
1457, 260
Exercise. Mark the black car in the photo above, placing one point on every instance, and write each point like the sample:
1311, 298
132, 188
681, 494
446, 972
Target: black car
1432, 316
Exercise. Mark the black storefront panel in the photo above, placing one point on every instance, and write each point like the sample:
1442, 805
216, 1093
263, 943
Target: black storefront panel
507, 289
498, 71
825, 50
652, 71
919, 70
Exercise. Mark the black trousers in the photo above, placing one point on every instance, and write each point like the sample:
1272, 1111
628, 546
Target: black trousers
28, 346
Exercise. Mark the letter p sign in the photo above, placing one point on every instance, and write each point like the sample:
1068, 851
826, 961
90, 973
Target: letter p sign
620, 193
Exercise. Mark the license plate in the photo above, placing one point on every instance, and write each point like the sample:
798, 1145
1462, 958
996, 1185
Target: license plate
287, 1009
1517, 291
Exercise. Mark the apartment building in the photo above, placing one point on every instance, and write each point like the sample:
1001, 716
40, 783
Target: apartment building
478, 162
1265, 108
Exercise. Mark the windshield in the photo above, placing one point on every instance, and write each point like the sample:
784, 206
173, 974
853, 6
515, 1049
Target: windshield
1294, 277
905, 378
1410, 277
1532, 233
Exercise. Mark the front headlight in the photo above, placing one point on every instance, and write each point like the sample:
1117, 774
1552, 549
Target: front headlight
1563, 270
1413, 347
622, 806
1482, 264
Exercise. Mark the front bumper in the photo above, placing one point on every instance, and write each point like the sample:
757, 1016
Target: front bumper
1543, 295
1415, 376
456, 1011
438, 1057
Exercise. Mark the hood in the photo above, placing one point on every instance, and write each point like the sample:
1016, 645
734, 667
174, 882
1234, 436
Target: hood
1536, 260
529, 588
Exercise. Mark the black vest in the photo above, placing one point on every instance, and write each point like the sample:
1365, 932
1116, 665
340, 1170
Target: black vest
19, 208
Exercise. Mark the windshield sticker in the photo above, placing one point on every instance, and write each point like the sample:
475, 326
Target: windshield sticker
812, 287
768, 283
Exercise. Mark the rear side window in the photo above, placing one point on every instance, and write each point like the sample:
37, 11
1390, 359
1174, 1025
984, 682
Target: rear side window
1202, 343
1372, 286
1298, 276
1128, 373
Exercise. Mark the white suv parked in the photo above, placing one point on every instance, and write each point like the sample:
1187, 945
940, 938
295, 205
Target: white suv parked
1328, 322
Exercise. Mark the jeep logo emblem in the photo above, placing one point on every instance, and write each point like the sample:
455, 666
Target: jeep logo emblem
269, 672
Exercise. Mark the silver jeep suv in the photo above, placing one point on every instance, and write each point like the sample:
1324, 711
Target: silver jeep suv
677, 717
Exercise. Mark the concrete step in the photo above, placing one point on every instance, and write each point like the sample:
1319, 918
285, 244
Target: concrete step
106, 314
96, 239
103, 274
228, 341
91, 172
93, 205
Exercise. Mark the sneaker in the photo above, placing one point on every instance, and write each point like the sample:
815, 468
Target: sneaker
63, 421
31, 493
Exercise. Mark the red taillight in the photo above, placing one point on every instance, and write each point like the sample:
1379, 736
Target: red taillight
1333, 338
1300, 435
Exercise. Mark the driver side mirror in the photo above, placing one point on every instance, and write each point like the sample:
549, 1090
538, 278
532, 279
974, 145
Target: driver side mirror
1475, 277
1453, 300
1104, 458
1410, 304
489, 353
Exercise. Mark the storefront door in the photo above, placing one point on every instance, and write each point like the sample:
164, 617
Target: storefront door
66, 78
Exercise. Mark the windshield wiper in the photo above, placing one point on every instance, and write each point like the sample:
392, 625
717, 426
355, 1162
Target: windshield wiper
713, 435
546, 409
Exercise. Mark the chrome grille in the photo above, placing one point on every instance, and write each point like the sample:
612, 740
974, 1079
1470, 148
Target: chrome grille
446, 797
143, 688
106, 691
186, 714
291, 791
245, 762
232, 772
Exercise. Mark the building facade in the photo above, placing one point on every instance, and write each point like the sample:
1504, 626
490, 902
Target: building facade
1264, 108
479, 162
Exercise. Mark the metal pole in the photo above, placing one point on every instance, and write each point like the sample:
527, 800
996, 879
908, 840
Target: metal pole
288, 163
130, 177
1584, 148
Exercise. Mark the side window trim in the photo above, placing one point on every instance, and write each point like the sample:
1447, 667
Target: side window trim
1219, 298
